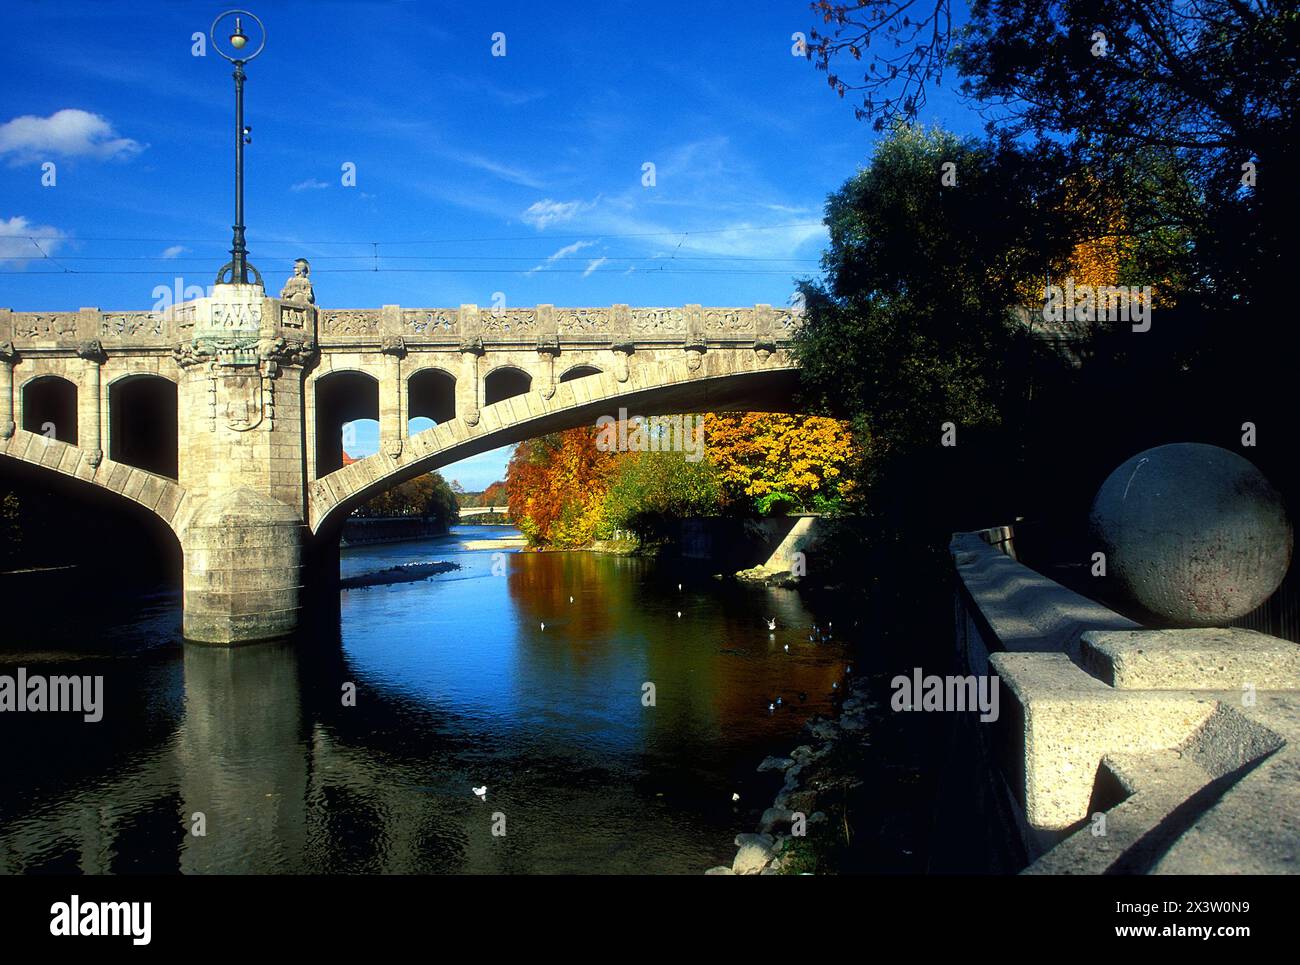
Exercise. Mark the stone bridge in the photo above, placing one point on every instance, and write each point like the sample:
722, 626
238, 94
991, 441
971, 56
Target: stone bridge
224, 415
470, 512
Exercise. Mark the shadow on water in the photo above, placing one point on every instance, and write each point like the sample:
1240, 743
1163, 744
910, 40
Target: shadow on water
457, 685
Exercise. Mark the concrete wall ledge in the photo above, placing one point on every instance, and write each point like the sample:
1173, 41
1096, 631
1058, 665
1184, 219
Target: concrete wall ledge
1224, 801
1127, 750
1066, 722
1193, 659
1024, 609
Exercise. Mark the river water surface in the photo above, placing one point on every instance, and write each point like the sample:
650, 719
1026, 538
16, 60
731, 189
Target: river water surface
457, 685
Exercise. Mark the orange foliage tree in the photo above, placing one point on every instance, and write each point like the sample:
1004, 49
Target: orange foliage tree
1109, 252
555, 486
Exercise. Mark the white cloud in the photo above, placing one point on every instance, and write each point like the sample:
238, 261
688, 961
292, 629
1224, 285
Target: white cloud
502, 171
713, 200
546, 212
734, 211
173, 251
66, 133
17, 244
564, 252
727, 229
311, 184
593, 265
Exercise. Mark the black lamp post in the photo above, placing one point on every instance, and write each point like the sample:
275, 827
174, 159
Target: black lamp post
238, 268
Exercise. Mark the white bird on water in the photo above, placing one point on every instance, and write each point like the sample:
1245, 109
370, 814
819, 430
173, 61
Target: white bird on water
679, 586
679, 614
570, 599
771, 623
735, 796
543, 624
480, 792
771, 708
787, 648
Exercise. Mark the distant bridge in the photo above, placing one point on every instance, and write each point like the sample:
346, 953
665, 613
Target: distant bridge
472, 511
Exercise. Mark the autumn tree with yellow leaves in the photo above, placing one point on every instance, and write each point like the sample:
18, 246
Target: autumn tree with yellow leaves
780, 461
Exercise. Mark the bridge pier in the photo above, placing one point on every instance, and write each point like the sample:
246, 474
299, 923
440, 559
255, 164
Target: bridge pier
243, 578
239, 398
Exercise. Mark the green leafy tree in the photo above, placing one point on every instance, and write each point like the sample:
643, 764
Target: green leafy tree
426, 496
913, 326
647, 489
1187, 112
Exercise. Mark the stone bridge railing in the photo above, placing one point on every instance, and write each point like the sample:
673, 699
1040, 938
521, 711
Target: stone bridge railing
145, 330
50, 330
524, 325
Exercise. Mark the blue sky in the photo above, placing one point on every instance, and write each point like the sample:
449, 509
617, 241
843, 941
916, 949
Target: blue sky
475, 174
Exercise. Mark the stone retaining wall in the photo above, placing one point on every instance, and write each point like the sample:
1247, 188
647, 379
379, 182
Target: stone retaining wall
360, 531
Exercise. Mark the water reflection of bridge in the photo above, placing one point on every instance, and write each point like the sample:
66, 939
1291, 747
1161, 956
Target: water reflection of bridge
280, 789
291, 781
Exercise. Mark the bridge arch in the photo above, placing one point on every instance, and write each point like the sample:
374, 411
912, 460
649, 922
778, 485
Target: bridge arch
579, 371
431, 394
342, 396
505, 382
73, 516
142, 423
49, 407
674, 387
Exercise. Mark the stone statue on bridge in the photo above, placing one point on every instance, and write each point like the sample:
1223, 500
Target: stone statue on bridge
298, 288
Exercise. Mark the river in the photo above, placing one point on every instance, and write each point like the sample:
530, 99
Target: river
258, 759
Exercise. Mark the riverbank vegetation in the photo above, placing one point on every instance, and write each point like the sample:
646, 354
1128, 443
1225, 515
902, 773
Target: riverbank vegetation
566, 491
493, 495
428, 497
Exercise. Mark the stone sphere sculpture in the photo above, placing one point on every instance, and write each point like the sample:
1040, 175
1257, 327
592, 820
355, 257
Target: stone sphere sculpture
1193, 534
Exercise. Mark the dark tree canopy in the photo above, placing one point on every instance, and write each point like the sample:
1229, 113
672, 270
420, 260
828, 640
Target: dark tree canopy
1205, 74
1198, 74
1185, 111
913, 325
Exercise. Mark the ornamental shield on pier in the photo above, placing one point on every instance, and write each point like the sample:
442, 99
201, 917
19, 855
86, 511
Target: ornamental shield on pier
242, 393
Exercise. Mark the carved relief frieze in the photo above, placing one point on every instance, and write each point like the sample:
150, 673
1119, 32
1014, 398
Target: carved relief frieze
509, 321
729, 320
349, 321
45, 325
582, 321
131, 325
658, 321
430, 321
